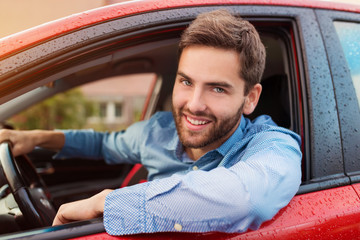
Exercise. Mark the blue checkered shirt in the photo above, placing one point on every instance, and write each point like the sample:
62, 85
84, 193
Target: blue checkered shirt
233, 188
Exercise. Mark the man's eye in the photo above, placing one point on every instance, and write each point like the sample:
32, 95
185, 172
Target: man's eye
219, 90
186, 82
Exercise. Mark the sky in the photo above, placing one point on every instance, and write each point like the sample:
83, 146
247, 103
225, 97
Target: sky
18, 15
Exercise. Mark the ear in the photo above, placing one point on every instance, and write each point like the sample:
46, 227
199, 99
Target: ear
252, 99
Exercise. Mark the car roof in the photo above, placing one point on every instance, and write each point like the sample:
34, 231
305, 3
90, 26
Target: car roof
21, 40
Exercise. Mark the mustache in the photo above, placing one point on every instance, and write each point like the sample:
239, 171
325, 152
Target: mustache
186, 111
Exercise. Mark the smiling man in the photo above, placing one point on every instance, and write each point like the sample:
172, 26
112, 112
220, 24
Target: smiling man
208, 98
210, 168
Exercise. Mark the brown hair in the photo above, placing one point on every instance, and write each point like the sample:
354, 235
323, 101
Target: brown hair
220, 29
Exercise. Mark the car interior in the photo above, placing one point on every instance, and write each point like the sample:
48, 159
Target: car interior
73, 179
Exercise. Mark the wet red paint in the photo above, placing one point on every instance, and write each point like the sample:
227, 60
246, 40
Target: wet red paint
17, 42
357, 188
322, 215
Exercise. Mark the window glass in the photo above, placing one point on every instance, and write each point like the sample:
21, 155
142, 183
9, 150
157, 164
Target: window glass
104, 105
102, 109
349, 34
118, 109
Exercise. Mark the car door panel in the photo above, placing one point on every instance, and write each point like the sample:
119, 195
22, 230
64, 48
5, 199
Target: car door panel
328, 214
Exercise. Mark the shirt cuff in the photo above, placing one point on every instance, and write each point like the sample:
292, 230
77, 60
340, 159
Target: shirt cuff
124, 210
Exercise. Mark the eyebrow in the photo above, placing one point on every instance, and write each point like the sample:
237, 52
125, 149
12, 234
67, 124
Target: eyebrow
215, 83
183, 75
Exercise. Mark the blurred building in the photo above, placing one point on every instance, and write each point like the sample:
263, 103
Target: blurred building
119, 101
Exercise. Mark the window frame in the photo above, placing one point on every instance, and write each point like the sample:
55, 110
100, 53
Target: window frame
317, 146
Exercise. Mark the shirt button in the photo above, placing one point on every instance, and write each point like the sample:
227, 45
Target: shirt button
178, 227
195, 168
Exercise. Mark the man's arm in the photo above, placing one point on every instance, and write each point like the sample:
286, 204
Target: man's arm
114, 147
224, 199
231, 199
25, 141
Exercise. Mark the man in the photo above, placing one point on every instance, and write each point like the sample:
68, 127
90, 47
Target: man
210, 169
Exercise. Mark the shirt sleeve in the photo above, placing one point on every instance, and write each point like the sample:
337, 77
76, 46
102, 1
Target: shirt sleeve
231, 199
115, 147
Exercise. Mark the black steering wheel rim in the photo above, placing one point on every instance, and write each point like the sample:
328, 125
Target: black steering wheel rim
29, 191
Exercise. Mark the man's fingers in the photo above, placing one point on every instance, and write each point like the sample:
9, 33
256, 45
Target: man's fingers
81, 210
59, 218
57, 221
18, 139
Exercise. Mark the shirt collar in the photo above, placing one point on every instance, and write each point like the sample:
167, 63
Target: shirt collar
179, 148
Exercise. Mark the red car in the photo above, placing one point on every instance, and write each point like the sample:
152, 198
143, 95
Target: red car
311, 86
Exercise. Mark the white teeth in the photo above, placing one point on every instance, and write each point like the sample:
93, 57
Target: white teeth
196, 122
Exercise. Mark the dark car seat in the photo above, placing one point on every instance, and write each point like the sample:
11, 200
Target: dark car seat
274, 100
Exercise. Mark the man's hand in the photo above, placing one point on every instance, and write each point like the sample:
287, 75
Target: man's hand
22, 141
25, 141
81, 210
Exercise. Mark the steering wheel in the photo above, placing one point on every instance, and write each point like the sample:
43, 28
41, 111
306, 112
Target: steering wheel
28, 188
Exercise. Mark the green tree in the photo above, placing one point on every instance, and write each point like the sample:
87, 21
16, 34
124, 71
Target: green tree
66, 110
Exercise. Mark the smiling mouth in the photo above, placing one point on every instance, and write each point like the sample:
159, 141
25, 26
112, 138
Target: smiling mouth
196, 122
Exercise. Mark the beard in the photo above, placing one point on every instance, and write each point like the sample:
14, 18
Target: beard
218, 132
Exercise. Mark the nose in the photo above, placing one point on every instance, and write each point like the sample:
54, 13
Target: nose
196, 101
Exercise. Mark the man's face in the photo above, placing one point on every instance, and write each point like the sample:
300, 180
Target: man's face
208, 96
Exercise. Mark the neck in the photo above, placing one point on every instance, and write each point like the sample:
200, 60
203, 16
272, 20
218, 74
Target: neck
195, 153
